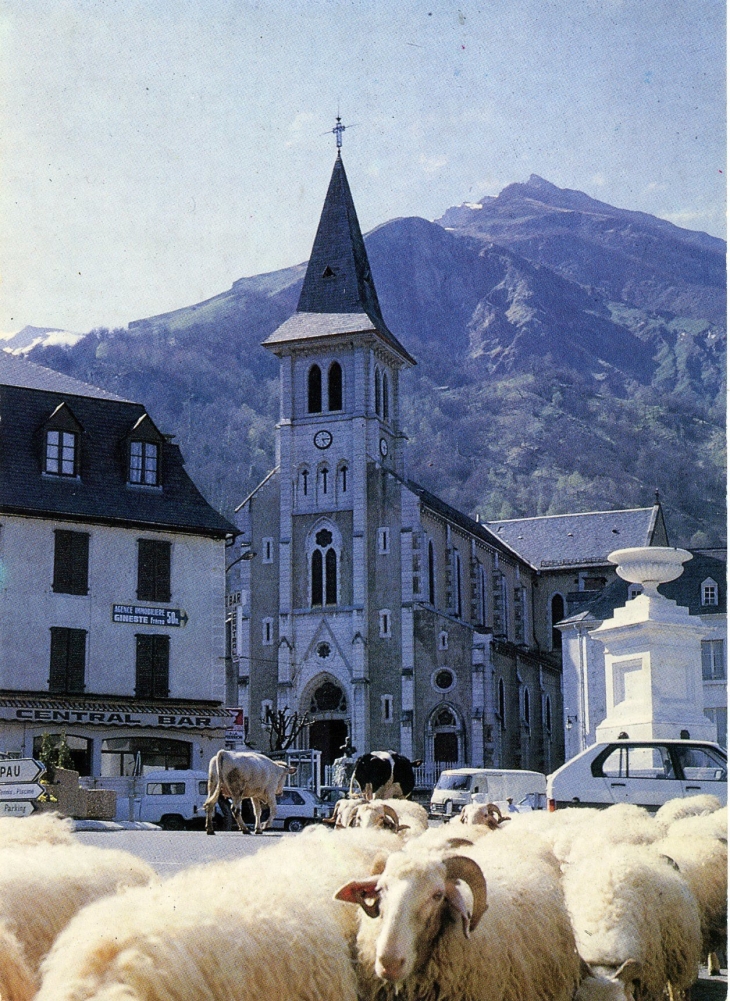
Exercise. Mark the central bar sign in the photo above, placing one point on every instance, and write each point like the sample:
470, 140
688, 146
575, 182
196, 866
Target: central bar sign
146, 615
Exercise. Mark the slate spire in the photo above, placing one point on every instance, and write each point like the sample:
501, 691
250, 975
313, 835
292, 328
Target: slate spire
338, 278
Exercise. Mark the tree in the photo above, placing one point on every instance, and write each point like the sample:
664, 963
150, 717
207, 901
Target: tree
283, 727
55, 753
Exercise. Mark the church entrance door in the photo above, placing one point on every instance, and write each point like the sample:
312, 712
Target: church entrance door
328, 736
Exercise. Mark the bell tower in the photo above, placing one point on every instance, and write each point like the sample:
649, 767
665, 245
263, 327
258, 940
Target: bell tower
339, 416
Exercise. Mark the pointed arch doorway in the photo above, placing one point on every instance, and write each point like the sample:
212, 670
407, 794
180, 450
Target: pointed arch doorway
327, 708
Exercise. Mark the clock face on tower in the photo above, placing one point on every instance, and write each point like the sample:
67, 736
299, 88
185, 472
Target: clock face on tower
323, 439
383, 447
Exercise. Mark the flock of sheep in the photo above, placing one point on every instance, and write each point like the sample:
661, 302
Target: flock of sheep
578, 905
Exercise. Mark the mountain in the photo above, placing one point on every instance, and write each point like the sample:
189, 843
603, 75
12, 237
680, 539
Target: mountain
23, 341
553, 375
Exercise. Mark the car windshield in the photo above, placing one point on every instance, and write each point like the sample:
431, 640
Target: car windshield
452, 780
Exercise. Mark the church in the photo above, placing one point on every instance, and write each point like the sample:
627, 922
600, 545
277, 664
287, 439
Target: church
357, 597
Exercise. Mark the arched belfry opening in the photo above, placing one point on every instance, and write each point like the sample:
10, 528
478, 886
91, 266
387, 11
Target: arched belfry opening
334, 386
445, 735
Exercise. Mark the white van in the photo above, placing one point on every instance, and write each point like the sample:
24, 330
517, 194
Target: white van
173, 799
456, 787
644, 772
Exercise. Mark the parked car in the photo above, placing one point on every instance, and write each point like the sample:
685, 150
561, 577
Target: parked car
297, 807
644, 772
456, 787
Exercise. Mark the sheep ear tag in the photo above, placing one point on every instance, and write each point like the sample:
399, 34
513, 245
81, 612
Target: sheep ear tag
460, 900
362, 892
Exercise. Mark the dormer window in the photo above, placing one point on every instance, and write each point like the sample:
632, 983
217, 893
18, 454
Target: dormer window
144, 454
144, 463
61, 443
709, 592
61, 453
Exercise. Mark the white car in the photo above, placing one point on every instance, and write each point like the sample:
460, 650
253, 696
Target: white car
297, 807
644, 772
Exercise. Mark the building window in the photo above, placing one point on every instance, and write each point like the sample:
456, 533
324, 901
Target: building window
377, 391
520, 602
634, 591
443, 640
268, 550
719, 718
314, 390
383, 541
267, 632
457, 585
343, 479
548, 715
153, 570
385, 623
501, 705
334, 386
71, 562
153, 666
324, 474
61, 453
386, 398
481, 594
431, 574
443, 679
709, 592
386, 702
713, 660
557, 614
305, 482
267, 710
324, 569
144, 463
68, 660
526, 708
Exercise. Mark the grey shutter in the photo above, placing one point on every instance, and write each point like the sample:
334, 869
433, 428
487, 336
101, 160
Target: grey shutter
161, 667
79, 563
153, 570
76, 663
144, 669
59, 656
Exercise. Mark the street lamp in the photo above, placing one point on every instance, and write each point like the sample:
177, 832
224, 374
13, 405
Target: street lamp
247, 555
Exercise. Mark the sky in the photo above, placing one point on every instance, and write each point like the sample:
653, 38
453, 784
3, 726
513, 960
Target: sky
152, 153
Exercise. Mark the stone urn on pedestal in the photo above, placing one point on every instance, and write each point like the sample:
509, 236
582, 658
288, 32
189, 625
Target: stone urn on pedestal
652, 654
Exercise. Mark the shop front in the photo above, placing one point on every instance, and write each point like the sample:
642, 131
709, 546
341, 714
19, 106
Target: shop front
115, 737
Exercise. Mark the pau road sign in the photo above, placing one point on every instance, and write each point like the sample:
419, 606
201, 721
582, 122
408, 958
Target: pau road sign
19, 808
16, 770
22, 790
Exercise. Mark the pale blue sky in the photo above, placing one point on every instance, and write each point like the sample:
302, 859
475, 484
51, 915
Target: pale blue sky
154, 152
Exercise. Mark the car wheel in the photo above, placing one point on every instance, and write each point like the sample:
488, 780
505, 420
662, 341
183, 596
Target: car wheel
295, 824
172, 822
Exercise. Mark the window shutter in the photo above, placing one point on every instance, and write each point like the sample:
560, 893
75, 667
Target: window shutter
79, 563
330, 561
153, 570
144, 667
76, 664
59, 652
317, 575
161, 667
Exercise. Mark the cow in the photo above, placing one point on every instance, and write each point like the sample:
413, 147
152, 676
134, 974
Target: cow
384, 775
245, 775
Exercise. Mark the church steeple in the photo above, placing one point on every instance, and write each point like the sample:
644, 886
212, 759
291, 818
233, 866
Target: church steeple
338, 295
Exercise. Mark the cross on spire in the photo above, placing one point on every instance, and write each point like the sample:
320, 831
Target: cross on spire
337, 131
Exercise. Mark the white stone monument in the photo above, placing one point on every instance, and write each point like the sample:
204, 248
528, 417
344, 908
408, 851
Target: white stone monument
652, 655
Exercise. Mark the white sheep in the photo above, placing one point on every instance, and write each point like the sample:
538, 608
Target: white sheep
485, 924
622, 823
400, 815
259, 928
711, 825
702, 862
344, 812
41, 889
486, 814
690, 806
38, 829
628, 905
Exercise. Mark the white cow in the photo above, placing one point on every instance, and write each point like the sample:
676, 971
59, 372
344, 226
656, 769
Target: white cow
245, 775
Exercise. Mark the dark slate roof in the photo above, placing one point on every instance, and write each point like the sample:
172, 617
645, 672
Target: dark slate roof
475, 528
338, 295
566, 540
100, 494
685, 590
15, 371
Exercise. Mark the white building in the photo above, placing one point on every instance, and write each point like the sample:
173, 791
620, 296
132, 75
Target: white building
111, 582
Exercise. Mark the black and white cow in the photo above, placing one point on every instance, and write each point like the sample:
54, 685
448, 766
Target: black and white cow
384, 775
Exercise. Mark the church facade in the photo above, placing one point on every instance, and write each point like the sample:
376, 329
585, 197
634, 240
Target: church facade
357, 597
